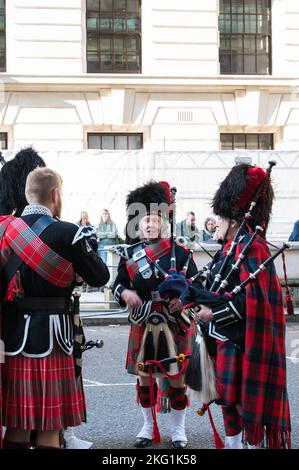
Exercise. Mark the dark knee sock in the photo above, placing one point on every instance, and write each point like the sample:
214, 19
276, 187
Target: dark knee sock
232, 420
178, 398
143, 393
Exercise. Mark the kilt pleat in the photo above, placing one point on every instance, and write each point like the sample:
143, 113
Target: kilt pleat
42, 393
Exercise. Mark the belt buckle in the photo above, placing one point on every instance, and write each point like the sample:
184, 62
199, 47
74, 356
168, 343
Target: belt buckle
146, 271
139, 254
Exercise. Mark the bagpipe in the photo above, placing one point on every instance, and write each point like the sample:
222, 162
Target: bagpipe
80, 343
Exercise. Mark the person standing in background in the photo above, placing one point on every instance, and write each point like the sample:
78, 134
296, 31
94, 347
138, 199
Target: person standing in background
106, 234
206, 235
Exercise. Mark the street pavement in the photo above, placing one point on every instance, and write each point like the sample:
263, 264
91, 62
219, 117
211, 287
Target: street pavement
114, 418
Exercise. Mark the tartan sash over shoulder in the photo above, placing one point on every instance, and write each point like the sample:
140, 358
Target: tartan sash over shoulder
155, 251
17, 236
264, 398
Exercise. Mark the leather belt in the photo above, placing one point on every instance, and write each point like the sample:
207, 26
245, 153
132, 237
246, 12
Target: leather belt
55, 304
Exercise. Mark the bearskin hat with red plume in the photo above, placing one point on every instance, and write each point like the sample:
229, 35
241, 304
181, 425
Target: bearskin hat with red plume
152, 197
243, 183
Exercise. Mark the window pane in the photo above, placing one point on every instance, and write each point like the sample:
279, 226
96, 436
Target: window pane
2, 42
132, 44
226, 141
132, 24
262, 24
92, 4
237, 6
134, 142
105, 44
106, 5
119, 24
263, 6
239, 141
133, 62
107, 142
132, 5
237, 64
119, 44
106, 59
237, 43
249, 64
249, 44
252, 141
224, 41
250, 6
262, 43
94, 141
119, 59
250, 24
92, 23
120, 5
266, 141
121, 142
237, 23
106, 23
225, 63
92, 45
263, 64
225, 24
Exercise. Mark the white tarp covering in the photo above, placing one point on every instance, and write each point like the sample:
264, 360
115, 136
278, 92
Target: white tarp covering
101, 179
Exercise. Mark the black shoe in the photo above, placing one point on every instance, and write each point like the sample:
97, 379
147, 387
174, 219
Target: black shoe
142, 442
179, 444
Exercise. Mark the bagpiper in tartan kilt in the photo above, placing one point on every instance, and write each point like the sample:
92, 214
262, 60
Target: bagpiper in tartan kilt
41, 389
156, 320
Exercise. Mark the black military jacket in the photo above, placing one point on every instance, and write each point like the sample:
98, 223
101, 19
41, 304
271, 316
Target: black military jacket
32, 334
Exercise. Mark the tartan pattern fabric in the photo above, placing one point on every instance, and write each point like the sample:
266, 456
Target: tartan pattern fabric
177, 398
143, 395
155, 251
264, 398
42, 393
228, 373
36, 254
232, 420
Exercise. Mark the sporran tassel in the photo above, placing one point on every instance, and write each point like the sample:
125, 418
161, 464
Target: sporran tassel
14, 289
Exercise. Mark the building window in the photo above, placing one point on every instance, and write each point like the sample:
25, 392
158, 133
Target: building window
2, 37
3, 140
246, 141
113, 36
115, 141
245, 37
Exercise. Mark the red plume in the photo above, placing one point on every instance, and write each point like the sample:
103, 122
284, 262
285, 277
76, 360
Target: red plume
254, 178
167, 186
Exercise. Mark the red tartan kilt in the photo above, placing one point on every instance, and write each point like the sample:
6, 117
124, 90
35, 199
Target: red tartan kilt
183, 343
228, 373
43, 393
